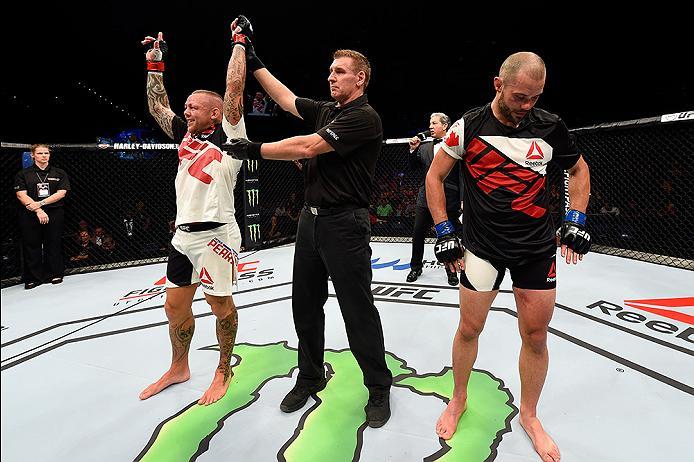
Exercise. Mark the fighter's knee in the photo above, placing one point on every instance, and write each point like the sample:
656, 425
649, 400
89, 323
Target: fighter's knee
172, 311
469, 331
536, 340
223, 309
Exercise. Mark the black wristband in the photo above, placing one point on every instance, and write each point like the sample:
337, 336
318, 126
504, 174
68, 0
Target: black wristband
254, 150
254, 63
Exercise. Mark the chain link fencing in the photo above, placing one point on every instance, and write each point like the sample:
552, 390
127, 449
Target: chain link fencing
121, 207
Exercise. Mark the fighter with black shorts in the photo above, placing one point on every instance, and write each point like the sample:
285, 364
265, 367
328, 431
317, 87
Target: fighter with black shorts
503, 149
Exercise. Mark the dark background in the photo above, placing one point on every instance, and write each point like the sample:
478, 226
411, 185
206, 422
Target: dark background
74, 72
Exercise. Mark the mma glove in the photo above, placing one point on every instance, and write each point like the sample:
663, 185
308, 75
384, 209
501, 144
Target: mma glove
573, 232
155, 53
242, 149
243, 37
448, 248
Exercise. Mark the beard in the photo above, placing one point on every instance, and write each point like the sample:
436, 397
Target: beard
506, 111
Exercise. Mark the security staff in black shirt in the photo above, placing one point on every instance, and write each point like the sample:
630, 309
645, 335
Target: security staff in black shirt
334, 230
41, 189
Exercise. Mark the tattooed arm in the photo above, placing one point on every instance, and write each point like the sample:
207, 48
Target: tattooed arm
236, 82
158, 102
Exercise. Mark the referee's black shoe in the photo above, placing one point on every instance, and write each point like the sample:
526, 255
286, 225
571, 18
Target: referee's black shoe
377, 409
414, 274
298, 396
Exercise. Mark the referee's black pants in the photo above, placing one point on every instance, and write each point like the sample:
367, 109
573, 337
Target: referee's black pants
42, 245
422, 223
337, 245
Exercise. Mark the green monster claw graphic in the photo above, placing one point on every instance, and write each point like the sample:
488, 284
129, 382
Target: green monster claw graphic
487, 418
332, 428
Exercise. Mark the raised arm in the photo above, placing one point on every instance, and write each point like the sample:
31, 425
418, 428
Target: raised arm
277, 91
236, 78
157, 99
272, 86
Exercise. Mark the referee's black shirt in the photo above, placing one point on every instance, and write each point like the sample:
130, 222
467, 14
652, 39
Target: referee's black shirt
27, 179
345, 176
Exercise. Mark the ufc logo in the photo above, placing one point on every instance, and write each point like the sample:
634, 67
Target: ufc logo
209, 156
582, 233
443, 246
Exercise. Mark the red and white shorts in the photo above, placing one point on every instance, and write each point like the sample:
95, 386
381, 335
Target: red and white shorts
209, 258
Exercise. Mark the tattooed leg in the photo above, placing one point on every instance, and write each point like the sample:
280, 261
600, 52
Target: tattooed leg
181, 329
226, 336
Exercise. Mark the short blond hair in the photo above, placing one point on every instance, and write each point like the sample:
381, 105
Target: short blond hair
361, 63
34, 147
211, 93
218, 104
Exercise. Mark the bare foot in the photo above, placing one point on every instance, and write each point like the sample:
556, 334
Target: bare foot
217, 390
169, 378
448, 422
544, 445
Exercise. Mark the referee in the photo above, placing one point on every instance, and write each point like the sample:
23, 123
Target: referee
41, 190
334, 230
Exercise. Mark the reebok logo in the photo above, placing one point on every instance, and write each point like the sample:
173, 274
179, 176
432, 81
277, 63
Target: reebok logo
332, 133
552, 274
672, 308
665, 307
205, 279
535, 157
534, 153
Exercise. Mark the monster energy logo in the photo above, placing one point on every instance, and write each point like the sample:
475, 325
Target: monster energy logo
252, 197
251, 165
254, 232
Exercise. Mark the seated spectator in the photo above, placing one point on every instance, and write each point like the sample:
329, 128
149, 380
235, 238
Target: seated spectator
108, 245
384, 209
293, 207
82, 225
99, 233
83, 254
142, 216
274, 232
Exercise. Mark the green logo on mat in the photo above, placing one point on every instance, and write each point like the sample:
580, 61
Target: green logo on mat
186, 435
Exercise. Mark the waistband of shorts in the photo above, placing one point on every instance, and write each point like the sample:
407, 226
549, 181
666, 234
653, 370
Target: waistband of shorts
322, 211
197, 227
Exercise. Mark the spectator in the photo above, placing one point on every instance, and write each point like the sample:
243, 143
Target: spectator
384, 209
98, 237
83, 254
82, 225
142, 216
